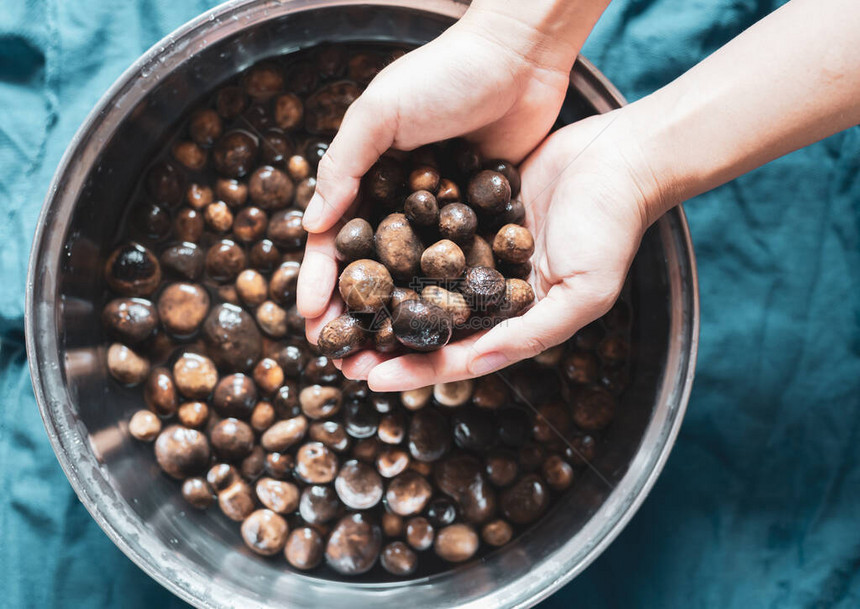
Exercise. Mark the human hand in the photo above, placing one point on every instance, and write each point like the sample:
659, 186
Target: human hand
593, 182
504, 97
631, 165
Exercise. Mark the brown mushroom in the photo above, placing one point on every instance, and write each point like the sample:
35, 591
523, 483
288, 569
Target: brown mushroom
458, 223
131, 320
456, 543
182, 307
421, 208
160, 393
489, 191
513, 243
353, 545
132, 270
265, 532
398, 247
421, 325
284, 434
144, 426
126, 366
355, 240
304, 549
195, 376
342, 336
232, 337
234, 153
443, 260
365, 286
182, 452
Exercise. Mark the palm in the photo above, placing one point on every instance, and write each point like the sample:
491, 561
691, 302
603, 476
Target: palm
594, 231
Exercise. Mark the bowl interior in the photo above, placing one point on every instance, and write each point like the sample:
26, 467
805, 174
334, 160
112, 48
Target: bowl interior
200, 555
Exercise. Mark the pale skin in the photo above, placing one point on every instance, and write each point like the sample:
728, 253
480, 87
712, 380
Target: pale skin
790, 80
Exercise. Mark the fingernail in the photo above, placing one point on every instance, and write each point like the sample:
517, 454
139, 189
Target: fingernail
488, 363
313, 213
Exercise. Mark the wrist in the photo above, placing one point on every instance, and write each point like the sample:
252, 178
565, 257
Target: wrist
546, 34
644, 146
661, 122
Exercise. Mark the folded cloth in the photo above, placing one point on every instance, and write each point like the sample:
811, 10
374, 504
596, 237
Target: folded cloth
758, 505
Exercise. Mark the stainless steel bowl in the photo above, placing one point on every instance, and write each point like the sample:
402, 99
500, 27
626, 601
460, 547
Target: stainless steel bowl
199, 556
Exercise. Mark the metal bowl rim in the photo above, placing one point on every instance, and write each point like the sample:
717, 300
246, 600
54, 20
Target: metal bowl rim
46, 344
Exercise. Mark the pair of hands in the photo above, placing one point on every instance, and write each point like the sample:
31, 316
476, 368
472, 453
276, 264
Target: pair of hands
586, 190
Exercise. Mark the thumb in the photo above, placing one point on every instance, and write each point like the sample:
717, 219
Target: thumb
368, 129
551, 321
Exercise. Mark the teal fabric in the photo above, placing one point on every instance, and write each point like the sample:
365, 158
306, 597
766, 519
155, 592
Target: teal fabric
759, 503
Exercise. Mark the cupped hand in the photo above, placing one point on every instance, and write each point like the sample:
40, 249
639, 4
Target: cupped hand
587, 191
463, 83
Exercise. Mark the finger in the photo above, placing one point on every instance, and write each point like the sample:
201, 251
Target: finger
416, 370
317, 275
366, 132
313, 326
358, 366
551, 321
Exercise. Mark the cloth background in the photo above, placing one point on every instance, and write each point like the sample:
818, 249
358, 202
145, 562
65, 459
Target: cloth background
759, 504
